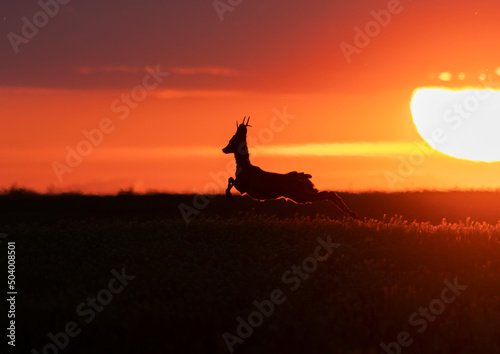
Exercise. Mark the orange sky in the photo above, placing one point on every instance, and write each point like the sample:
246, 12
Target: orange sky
351, 129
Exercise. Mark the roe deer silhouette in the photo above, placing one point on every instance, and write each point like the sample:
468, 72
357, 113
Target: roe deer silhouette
262, 185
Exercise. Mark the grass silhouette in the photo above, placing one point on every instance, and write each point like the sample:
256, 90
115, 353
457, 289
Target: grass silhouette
193, 281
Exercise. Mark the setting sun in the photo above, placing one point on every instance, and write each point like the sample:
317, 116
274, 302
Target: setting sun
460, 123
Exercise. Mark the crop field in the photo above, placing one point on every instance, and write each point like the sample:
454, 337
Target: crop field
199, 274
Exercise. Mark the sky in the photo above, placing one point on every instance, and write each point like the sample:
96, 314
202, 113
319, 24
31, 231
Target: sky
99, 96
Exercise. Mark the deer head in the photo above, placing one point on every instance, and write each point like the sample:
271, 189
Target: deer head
238, 138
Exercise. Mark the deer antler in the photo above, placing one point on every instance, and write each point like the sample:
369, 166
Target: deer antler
245, 124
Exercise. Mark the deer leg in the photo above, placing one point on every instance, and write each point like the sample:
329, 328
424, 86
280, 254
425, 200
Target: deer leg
333, 197
230, 184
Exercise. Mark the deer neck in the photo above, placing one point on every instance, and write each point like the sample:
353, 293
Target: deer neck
242, 157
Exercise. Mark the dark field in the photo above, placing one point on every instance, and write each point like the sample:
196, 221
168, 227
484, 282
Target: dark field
432, 284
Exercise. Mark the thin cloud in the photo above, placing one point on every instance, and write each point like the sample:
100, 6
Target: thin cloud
197, 70
109, 69
359, 149
176, 94
207, 70
364, 149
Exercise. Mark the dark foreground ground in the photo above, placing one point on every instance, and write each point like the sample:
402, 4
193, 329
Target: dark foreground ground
253, 277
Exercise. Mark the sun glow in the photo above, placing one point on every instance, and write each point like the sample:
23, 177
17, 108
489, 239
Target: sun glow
461, 123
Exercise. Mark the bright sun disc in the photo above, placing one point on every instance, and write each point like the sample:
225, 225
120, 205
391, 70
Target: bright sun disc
461, 123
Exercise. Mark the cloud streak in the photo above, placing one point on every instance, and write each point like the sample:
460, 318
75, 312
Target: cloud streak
85, 70
360, 149
207, 70
126, 69
176, 94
